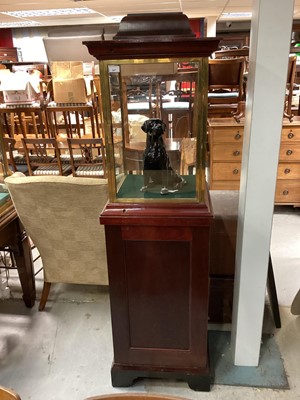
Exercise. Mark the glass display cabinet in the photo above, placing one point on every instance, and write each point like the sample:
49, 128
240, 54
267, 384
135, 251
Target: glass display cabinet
153, 77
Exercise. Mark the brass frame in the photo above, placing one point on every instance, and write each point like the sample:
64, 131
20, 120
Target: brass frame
199, 126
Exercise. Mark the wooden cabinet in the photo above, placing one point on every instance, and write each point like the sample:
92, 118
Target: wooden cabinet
225, 152
157, 240
9, 54
288, 177
158, 278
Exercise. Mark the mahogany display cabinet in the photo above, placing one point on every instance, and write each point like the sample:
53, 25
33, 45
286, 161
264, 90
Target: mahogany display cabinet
158, 217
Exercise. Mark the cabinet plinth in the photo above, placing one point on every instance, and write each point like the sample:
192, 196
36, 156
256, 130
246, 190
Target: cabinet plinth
159, 281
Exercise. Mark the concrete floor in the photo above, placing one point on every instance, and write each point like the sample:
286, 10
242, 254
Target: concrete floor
65, 352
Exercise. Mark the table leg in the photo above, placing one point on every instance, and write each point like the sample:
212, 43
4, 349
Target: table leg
23, 258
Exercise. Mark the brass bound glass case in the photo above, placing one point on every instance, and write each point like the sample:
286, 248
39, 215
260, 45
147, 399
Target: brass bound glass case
154, 74
155, 131
157, 221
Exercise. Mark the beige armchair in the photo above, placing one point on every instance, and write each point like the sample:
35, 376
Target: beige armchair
61, 215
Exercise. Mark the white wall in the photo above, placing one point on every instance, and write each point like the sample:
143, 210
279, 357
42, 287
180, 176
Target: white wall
30, 41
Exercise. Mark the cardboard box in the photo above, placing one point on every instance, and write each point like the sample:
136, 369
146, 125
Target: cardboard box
18, 88
69, 83
66, 69
72, 91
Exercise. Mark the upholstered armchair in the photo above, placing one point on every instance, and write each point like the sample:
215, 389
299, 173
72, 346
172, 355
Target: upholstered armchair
61, 215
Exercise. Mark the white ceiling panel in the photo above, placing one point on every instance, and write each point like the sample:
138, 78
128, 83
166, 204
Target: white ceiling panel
118, 8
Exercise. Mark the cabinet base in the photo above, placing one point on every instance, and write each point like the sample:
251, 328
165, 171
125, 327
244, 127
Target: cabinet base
124, 376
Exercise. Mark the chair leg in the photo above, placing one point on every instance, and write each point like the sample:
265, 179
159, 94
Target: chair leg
273, 294
45, 294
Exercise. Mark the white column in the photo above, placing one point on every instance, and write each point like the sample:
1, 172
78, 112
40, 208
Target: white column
211, 26
269, 51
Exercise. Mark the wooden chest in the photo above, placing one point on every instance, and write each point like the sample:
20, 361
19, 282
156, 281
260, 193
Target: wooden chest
225, 154
225, 151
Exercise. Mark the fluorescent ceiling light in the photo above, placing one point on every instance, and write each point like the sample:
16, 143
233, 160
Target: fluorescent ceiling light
18, 24
236, 15
50, 13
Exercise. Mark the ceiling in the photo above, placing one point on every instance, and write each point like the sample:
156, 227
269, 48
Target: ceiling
110, 11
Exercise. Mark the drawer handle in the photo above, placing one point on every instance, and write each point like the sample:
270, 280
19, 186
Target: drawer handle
291, 135
287, 171
289, 152
235, 171
238, 136
285, 192
236, 153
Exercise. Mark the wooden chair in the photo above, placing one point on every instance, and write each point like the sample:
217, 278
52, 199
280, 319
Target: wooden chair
73, 120
9, 144
87, 157
61, 216
43, 157
290, 87
187, 155
8, 394
137, 97
178, 114
225, 86
24, 120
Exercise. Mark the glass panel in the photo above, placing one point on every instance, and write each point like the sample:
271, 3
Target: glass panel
156, 129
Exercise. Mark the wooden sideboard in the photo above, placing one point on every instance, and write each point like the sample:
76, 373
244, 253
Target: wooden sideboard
225, 137
9, 54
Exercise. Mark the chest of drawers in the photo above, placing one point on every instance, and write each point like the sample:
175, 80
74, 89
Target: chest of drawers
288, 176
225, 155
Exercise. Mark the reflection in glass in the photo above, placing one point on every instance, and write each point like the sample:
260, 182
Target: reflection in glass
155, 127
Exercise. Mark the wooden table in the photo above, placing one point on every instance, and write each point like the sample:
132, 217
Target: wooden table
13, 235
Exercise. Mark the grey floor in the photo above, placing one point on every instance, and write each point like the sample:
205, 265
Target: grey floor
65, 352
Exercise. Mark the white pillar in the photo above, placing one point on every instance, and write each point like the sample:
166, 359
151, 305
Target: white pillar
211, 26
269, 51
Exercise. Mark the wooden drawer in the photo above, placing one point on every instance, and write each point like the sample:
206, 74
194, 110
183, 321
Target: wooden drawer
224, 135
227, 152
226, 171
8, 54
290, 134
288, 171
289, 152
288, 192
225, 185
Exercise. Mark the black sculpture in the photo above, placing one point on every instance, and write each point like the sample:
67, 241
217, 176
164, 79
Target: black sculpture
157, 167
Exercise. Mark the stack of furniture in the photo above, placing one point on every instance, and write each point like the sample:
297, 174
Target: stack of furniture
32, 130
